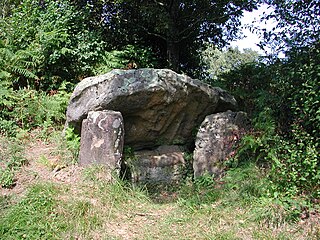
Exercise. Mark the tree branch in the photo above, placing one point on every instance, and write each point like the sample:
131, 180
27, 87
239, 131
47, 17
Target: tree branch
152, 33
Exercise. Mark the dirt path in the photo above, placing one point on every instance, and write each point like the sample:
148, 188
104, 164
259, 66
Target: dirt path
42, 165
148, 219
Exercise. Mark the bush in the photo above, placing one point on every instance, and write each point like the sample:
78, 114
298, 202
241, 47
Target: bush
54, 43
28, 109
282, 97
295, 166
72, 141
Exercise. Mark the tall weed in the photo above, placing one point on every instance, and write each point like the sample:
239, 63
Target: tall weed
11, 160
295, 166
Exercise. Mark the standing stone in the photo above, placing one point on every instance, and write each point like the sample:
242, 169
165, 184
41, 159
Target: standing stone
217, 140
102, 137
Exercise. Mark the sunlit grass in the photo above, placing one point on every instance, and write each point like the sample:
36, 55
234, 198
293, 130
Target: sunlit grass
97, 206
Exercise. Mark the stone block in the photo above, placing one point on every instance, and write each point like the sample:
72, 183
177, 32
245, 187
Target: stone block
217, 140
164, 165
102, 138
158, 106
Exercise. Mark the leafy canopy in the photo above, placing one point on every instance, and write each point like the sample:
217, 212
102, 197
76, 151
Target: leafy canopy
175, 30
298, 24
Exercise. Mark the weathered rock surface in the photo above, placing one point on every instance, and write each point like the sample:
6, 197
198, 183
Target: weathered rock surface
102, 138
165, 164
216, 141
159, 106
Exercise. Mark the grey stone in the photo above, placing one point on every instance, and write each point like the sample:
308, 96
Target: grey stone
217, 140
165, 164
102, 139
159, 106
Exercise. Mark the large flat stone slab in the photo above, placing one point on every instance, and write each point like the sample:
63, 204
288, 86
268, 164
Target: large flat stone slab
159, 106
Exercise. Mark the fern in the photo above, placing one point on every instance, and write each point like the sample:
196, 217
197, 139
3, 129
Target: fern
16, 64
120, 58
111, 60
23, 72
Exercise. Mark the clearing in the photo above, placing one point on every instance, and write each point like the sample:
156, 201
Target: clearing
51, 199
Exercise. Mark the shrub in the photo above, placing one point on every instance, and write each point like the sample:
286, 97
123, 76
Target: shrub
72, 143
54, 43
27, 109
295, 166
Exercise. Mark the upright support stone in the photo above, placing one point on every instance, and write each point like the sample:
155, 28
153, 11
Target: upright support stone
217, 140
102, 138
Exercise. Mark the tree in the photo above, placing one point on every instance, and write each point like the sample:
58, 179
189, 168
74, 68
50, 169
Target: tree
176, 30
284, 95
298, 24
217, 62
298, 33
53, 44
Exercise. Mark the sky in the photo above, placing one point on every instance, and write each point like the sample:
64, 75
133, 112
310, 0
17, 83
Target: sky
252, 39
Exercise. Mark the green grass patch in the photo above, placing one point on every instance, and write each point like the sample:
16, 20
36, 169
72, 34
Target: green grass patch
34, 217
95, 206
11, 160
233, 208
240, 186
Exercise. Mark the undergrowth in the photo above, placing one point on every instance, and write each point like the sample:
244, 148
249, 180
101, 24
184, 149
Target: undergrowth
24, 110
235, 207
11, 160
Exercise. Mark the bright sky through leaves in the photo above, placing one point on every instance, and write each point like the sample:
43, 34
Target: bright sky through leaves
250, 39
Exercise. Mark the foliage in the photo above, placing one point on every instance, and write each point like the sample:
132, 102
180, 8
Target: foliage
128, 163
241, 185
53, 44
256, 86
298, 25
286, 136
72, 142
39, 109
295, 166
16, 64
28, 109
142, 57
282, 96
217, 62
56, 43
6, 178
174, 30
6, 7
11, 160
305, 80
197, 192
254, 146
293, 162
298, 154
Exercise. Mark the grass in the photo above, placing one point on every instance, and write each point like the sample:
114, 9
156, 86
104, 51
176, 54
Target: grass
91, 207
11, 160
33, 217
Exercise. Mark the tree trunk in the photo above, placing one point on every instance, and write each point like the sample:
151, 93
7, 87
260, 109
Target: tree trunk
173, 47
173, 55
